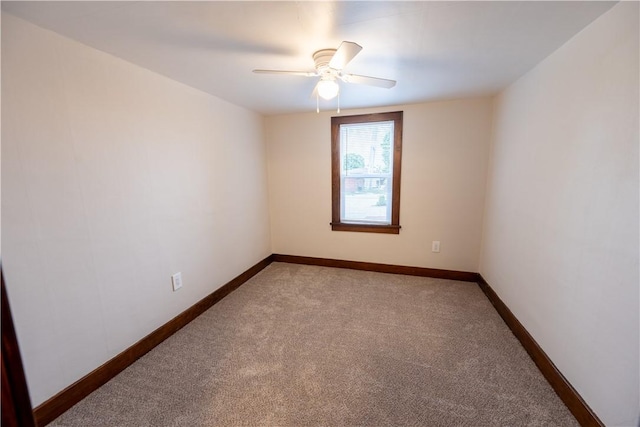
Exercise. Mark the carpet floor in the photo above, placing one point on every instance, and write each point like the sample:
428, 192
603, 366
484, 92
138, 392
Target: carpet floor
302, 345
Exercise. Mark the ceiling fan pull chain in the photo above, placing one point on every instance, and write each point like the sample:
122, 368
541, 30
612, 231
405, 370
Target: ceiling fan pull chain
317, 103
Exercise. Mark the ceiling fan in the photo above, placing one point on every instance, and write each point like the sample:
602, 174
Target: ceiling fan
329, 64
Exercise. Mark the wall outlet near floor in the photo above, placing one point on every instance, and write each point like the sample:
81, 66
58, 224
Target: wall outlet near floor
435, 246
176, 281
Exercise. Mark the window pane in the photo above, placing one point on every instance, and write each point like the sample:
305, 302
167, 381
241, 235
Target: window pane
366, 163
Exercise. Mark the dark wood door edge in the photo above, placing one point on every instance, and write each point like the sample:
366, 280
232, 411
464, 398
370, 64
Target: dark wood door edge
380, 268
65, 399
16, 404
562, 387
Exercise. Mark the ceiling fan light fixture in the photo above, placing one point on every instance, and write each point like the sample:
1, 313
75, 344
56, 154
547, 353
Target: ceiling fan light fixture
328, 89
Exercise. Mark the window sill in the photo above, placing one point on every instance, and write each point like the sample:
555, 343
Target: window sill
365, 228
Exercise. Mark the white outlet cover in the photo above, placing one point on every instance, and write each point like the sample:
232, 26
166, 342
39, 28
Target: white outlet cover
435, 246
176, 281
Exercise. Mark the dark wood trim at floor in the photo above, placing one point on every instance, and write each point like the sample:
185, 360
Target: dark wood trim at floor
380, 268
562, 387
58, 404
574, 402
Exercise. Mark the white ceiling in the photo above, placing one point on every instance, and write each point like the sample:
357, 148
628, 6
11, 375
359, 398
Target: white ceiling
434, 50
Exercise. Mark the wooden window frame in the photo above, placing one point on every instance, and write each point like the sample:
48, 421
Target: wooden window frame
336, 223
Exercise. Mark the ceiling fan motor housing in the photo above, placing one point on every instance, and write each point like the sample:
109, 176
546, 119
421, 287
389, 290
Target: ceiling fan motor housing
322, 58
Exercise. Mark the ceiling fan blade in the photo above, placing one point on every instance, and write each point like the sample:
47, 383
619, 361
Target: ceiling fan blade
345, 53
366, 80
314, 94
290, 73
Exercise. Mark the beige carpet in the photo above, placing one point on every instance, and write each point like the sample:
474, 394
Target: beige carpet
315, 346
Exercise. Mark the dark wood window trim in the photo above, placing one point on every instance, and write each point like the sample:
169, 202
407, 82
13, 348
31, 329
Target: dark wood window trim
336, 223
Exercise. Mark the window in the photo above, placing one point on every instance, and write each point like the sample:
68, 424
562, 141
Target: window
366, 151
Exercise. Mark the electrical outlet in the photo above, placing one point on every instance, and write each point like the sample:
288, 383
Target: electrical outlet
176, 281
435, 246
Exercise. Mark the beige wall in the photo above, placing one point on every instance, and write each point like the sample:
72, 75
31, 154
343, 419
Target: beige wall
560, 241
113, 178
444, 161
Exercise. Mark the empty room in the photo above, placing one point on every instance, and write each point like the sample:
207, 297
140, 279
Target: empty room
341, 213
